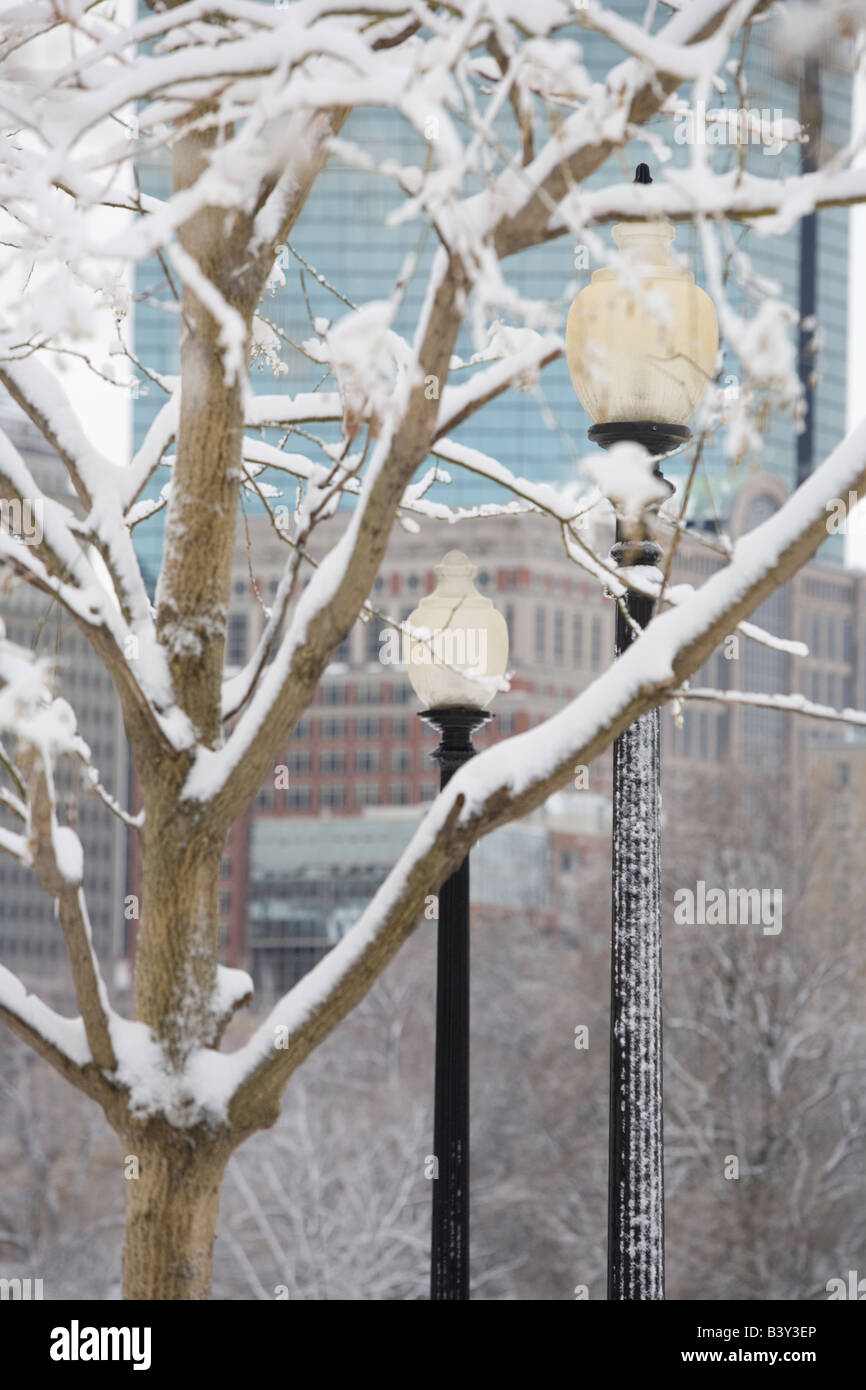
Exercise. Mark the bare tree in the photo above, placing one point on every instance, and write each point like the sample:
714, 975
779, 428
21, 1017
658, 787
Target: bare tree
766, 1123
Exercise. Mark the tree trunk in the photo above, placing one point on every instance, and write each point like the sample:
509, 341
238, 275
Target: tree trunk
171, 1214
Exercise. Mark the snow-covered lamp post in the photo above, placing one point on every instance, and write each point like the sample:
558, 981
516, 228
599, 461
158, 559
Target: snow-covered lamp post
458, 651
641, 344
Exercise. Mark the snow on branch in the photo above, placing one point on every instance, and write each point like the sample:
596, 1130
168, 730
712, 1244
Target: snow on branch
307, 408
774, 204
161, 431
42, 728
47, 1030
97, 481
521, 209
787, 704
682, 60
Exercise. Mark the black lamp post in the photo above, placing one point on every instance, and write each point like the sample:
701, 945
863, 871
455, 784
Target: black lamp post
449, 1258
640, 375
457, 656
636, 1147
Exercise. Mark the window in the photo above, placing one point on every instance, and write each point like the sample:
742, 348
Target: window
333, 728
237, 639
595, 650
401, 760
367, 793
372, 645
302, 729
577, 639
299, 762
333, 796
831, 688
369, 727
847, 640
225, 902
398, 794
843, 774
815, 644
831, 638
367, 760
332, 761
343, 653
265, 798
298, 798
399, 728
559, 637
368, 694
703, 734
333, 695
540, 634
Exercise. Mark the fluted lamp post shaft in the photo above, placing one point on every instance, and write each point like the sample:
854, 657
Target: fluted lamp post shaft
639, 374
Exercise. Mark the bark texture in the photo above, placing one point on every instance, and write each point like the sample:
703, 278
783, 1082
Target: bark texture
171, 1213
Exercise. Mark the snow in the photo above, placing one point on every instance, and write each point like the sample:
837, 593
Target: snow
772, 204
233, 333
625, 476
232, 986
68, 854
66, 1034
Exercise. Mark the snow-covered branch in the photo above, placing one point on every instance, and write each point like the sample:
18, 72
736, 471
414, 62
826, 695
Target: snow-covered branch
43, 728
787, 704
774, 204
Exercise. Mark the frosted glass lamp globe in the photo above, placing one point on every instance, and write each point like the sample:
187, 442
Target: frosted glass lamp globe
458, 645
642, 347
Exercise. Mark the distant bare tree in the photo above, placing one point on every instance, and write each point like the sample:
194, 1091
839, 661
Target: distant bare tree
765, 1047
